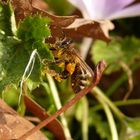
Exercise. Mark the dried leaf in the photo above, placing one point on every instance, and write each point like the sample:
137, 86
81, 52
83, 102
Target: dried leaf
75, 27
89, 28
40, 3
72, 26
12, 126
63, 21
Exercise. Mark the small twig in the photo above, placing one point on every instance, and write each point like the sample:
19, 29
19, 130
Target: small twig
121, 80
97, 76
130, 79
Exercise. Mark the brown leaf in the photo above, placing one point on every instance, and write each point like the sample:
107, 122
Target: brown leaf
39, 3
12, 126
75, 27
24, 8
63, 21
88, 28
71, 26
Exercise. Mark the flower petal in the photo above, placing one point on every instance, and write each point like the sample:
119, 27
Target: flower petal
97, 10
131, 11
81, 6
103, 9
112, 6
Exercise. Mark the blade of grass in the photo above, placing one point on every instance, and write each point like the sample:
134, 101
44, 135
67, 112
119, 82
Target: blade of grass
58, 105
119, 103
110, 118
98, 92
85, 119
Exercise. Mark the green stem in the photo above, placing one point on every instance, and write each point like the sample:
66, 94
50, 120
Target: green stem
85, 118
110, 118
21, 108
58, 105
98, 92
120, 103
120, 80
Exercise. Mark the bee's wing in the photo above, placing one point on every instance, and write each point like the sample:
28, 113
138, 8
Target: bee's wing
82, 75
82, 63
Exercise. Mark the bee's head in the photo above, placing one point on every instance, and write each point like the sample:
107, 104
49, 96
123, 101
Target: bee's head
64, 43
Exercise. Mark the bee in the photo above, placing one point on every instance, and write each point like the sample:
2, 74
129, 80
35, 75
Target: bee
68, 63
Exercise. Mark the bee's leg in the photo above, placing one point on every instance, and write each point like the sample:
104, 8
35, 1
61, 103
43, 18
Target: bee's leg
60, 63
47, 62
56, 62
65, 74
60, 76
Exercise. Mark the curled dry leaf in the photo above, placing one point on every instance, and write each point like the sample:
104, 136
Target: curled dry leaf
61, 21
12, 126
23, 8
72, 26
75, 27
89, 28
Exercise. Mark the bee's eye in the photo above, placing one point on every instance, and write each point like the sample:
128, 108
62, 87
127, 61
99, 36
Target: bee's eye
65, 43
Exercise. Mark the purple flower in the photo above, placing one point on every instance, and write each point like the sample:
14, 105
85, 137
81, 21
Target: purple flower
107, 9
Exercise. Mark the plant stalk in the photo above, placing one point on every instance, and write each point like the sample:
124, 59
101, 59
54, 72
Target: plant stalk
110, 118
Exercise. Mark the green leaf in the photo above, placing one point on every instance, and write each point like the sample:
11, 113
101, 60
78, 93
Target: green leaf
132, 129
34, 28
126, 51
33, 31
11, 95
13, 61
7, 50
43, 50
61, 7
7, 19
15, 53
135, 138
